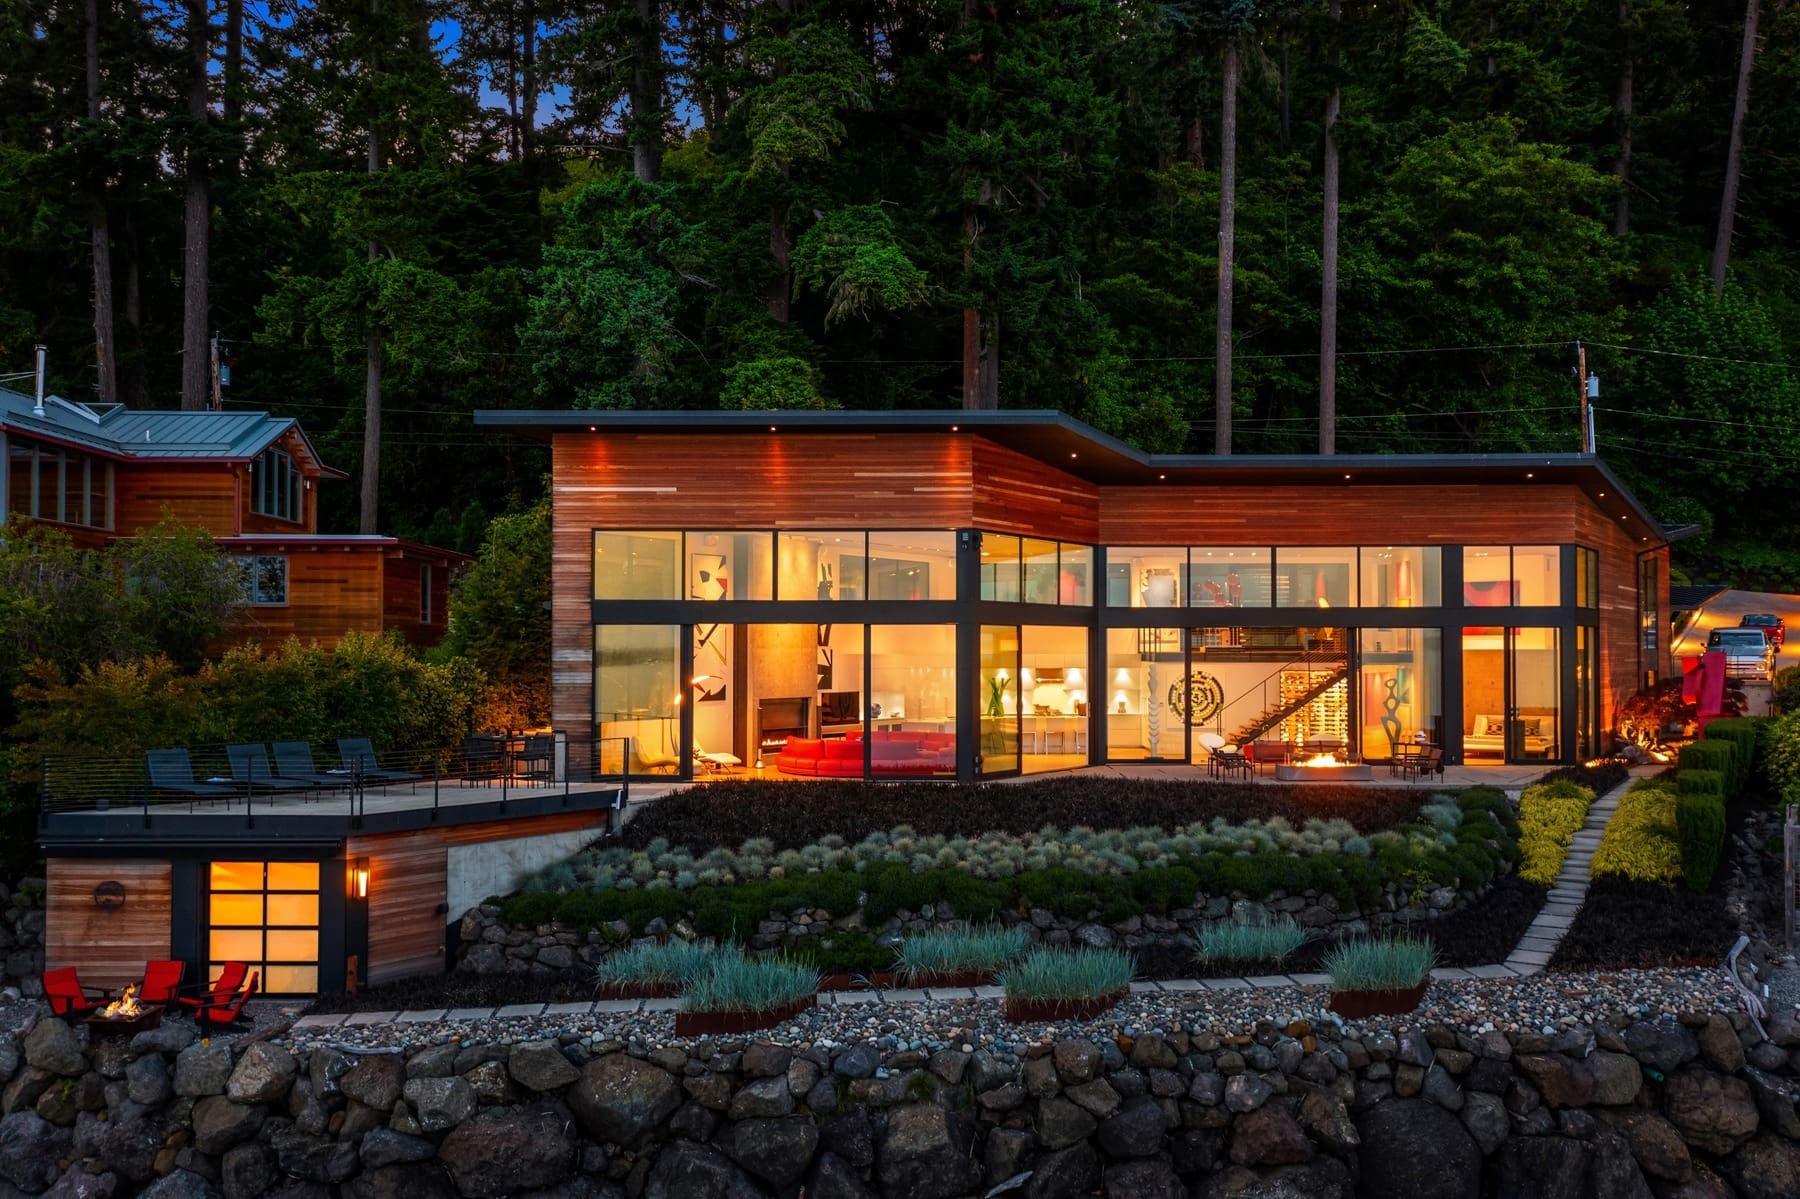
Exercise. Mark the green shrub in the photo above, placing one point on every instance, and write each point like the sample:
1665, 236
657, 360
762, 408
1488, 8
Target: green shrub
1263, 939
741, 984
1700, 830
1381, 964
1700, 782
1717, 757
673, 961
1550, 814
1493, 801
953, 951
1640, 840
1743, 733
1068, 974
1786, 689
842, 951
1781, 751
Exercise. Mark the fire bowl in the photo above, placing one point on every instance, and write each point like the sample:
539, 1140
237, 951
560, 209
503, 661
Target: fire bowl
1346, 772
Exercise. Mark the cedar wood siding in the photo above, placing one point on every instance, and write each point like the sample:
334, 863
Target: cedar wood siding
198, 494
409, 879
331, 590
110, 947
400, 595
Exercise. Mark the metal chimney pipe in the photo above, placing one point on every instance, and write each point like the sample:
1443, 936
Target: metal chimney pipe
42, 351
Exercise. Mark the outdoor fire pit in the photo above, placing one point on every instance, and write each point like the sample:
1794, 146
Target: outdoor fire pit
125, 1016
1323, 768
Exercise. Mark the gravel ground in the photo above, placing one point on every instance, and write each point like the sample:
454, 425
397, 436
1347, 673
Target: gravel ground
1544, 1003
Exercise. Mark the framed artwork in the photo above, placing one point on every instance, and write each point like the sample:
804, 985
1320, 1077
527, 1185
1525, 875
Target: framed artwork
706, 577
712, 662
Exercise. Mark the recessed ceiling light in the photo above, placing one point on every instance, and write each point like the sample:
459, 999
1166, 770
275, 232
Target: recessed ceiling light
1346, 476
592, 429
1071, 455
955, 428
1529, 475
771, 428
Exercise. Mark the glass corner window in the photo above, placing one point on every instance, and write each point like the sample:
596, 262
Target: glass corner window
636, 565
1402, 576
823, 565
1074, 582
1229, 577
1315, 576
1000, 567
1145, 576
730, 566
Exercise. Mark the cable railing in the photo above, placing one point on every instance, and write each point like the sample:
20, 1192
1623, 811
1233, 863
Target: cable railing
345, 777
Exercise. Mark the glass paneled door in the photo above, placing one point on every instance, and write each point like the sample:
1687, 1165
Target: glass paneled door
1512, 694
1144, 668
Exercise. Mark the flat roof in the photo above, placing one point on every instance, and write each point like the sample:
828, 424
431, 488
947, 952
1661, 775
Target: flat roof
1059, 440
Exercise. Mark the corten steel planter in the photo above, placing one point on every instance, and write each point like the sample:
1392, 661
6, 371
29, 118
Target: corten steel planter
644, 990
888, 980
714, 1024
1358, 1004
877, 981
120, 1026
1034, 1011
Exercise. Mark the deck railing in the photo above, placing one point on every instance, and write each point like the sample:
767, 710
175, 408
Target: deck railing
327, 778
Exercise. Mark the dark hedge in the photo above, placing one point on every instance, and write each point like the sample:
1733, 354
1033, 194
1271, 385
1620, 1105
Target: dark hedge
796, 814
1600, 778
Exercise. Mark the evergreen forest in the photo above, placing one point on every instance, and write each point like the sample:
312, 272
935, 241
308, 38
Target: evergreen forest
1246, 226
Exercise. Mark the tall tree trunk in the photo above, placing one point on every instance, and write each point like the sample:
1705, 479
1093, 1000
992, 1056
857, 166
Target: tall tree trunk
1328, 255
234, 61
980, 358
105, 355
1286, 125
1193, 144
195, 361
1734, 154
135, 388
1622, 110
371, 464
780, 248
646, 93
1227, 245
528, 82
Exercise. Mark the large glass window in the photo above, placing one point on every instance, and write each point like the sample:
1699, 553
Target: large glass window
999, 567
1649, 618
275, 485
997, 693
912, 701
1142, 667
264, 579
1075, 585
46, 483
1587, 577
19, 458
1315, 577
49, 485
1040, 573
1145, 576
912, 565
1538, 569
266, 915
637, 565
1401, 689
1053, 698
825, 565
1401, 576
1230, 577
1536, 731
730, 566
638, 694
1487, 576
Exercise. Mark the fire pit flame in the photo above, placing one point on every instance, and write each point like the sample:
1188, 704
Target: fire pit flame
125, 1007
1322, 760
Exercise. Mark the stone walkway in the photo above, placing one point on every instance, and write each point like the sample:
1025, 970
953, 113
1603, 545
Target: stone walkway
1563, 902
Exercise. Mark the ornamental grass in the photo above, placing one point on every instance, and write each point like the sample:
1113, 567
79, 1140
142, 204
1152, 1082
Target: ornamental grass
958, 951
733, 983
1380, 964
672, 962
1067, 974
1257, 940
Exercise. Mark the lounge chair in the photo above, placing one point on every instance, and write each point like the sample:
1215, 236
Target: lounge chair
67, 997
358, 754
162, 982
295, 761
171, 772
652, 763
219, 991
250, 766
226, 1010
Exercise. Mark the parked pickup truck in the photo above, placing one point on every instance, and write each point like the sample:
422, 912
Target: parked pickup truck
1747, 652
1771, 625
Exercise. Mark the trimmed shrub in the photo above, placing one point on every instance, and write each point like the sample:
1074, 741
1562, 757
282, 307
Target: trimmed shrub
1380, 964
1743, 733
1550, 814
1600, 778
1640, 840
1710, 783
1700, 830
1781, 753
1718, 757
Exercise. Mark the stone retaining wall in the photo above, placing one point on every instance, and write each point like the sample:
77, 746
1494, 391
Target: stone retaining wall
22, 936
491, 946
1703, 1106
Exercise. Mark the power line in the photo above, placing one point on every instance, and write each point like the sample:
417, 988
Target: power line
1788, 366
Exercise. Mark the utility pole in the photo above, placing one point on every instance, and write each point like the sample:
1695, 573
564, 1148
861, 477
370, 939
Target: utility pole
1589, 386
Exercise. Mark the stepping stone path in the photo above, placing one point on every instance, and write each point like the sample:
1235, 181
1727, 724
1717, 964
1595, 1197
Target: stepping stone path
1532, 954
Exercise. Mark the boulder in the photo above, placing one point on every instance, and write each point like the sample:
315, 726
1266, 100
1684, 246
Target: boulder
1097, 1096
1719, 1045
686, 1170
1617, 1078
763, 1059
1664, 1045
1039, 1077
693, 1121
1147, 1178
541, 1066
777, 1150
247, 1172
1712, 1113
492, 1084
1775, 1099
1268, 1136
262, 1075
1560, 1080
219, 1123
1612, 1172
422, 1180
1541, 1168
440, 1103
619, 1099
1765, 1168
1137, 1129
1485, 1118
169, 1037
763, 1099
434, 1061
504, 1149
1326, 1119
77, 1183
1005, 1153
1061, 1124
1246, 1092
1321, 1178
385, 1147
376, 1080
1416, 1149
851, 1137
147, 1079
1065, 1174
834, 1178
183, 1184
203, 1069
1658, 1148
859, 1061
1077, 1060
312, 1158
918, 1157
128, 1148
52, 1045
31, 1151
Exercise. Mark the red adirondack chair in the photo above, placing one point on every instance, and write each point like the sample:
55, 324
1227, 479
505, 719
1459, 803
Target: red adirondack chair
231, 977
231, 1009
162, 981
67, 996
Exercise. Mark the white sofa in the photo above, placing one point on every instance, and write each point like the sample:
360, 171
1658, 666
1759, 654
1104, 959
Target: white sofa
1488, 736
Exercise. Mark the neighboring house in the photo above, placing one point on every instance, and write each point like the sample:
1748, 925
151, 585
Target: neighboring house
250, 480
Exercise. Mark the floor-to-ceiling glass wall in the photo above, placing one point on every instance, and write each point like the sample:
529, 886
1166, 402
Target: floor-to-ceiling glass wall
1512, 694
638, 696
1053, 697
997, 697
912, 701
1399, 689
1144, 667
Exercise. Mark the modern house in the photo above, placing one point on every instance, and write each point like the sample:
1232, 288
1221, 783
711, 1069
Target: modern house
250, 480
967, 595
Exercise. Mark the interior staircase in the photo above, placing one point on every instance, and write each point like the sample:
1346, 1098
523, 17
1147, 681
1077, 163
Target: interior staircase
1327, 678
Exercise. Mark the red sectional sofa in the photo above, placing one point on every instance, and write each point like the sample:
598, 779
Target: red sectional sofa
890, 753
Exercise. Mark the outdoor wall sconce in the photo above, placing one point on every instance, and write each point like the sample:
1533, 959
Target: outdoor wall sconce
359, 878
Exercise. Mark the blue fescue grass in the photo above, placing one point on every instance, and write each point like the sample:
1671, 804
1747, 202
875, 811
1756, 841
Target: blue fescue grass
953, 951
674, 961
741, 984
1259, 940
1068, 974
1380, 964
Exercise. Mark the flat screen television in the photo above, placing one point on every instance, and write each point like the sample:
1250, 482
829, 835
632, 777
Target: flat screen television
840, 707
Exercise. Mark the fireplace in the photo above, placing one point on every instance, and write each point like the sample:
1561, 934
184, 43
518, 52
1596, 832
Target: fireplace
1324, 768
779, 719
